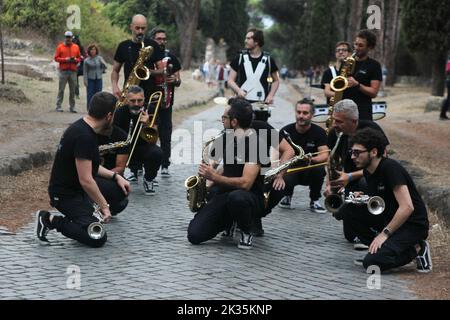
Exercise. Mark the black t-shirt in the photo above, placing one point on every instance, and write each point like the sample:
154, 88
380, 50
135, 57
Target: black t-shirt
78, 141
240, 70
108, 157
342, 150
127, 53
236, 153
310, 140
122, 118
326, 79
268, 137
365, 71
389, 174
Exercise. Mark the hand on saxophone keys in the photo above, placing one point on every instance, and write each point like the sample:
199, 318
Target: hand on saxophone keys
206, 171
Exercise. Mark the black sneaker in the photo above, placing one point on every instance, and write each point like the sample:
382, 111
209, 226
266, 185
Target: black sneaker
73, 111
165, 173
316, 207
423, 259
246, 241
149, 188
131, 177
285, 203
42, 226
358, 262
358, 245
229, 233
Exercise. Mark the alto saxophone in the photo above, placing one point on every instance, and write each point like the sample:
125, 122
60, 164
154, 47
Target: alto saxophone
338, 84
139, 73
102, 149
196, 185
334, 201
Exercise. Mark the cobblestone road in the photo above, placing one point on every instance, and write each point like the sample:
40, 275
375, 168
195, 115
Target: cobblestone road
303, 255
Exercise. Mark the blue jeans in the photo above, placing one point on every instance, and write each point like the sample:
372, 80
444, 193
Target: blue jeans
94, 86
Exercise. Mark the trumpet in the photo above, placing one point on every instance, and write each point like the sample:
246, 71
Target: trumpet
375, 205
96, 230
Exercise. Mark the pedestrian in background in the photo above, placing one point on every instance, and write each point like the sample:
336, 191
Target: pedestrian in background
93, 68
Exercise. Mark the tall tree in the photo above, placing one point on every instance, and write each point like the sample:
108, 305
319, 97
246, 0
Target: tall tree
355, 18
186, 16
427, 28
391, 38
1, 43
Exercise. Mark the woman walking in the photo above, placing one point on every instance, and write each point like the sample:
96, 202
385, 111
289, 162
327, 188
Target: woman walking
93, 69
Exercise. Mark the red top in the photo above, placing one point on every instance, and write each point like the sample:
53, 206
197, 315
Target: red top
448, 66
63, 52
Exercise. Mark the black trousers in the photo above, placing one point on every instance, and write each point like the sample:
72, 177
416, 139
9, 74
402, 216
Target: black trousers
165, 134
113, 194
312, 178
148, 155
221, 211
77, 211
446, 103
398, 250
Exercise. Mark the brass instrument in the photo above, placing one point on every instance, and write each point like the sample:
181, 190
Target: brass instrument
375, 205
196, 185
96, 230
118, 144
139, 73
334, 201
146, 131
338, 84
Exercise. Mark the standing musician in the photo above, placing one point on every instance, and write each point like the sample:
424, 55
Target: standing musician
144, 153
72, 187
365, 82
398, 234
114, 159
240, 187
346, 120
127, 54
254, 73
342, 51
312, 139
166, 83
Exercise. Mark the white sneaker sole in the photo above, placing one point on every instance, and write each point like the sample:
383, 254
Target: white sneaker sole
39, 241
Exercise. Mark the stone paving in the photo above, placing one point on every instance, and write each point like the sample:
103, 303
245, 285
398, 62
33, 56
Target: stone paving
303, 255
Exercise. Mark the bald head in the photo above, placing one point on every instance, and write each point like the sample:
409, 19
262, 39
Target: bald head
138, 27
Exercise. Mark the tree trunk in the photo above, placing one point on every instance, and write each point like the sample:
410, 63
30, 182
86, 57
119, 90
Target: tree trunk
438, 74
186, 17
355, 18
1, 45
391, 39
378, 52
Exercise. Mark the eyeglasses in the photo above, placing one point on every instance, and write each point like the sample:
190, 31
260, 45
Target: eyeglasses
225, 117
136, 100
356, 152
341, 50
161, 39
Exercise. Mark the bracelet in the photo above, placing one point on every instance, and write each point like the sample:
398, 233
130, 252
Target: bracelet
114, 176
104, 206
350, 177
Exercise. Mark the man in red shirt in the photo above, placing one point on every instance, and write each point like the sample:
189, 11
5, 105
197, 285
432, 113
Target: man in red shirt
68, 56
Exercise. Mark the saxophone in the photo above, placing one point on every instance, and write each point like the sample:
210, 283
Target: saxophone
334, 201
196, 185
139, 73
338, 84
104, 148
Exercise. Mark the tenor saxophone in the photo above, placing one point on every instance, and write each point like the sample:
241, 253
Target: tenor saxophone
139, 73
196, 185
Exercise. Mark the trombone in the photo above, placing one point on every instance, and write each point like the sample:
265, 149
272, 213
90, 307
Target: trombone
146, 131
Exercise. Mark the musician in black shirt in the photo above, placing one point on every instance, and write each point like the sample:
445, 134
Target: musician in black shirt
72, 186
239, 197
398, 235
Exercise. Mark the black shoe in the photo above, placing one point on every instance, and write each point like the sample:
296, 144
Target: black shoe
444, 117
59, 110
358, 245
316, 207
165, 173
42, 226
246, 241
73, 111
131, 177
423, 259
285, 203
358, 262
149, 188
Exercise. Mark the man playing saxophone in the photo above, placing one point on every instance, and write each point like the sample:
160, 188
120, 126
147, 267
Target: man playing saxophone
127, 54
240, 195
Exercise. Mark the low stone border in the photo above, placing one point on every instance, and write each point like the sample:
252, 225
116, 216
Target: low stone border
15, 164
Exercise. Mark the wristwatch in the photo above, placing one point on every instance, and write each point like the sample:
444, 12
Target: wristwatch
387, 232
